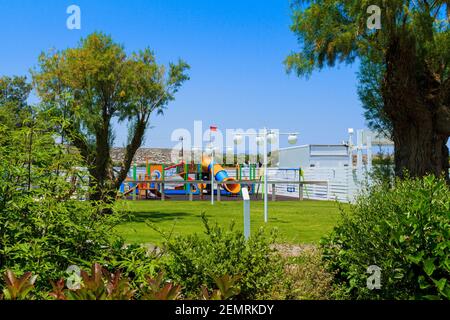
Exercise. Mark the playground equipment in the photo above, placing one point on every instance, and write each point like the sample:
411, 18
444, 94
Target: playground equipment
148, 185
220, 175
186, 181
161, 181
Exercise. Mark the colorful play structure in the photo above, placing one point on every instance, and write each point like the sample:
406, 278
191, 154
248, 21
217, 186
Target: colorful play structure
160, 181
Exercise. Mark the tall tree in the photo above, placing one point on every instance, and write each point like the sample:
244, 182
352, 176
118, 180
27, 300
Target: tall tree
405, 69
97, 83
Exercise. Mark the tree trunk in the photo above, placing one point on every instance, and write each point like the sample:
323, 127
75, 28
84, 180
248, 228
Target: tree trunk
420, 150
132, 147
410, 100
101, 171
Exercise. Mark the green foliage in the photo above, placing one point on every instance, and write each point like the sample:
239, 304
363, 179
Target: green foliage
193, 261
335, 31
14, 92
44, 227
404, 230
135, 261
371, 76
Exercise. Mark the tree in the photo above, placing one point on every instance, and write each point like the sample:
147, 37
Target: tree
14, 93
409, 58
96, 83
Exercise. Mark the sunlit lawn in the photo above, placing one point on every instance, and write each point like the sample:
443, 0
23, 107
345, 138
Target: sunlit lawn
297, 221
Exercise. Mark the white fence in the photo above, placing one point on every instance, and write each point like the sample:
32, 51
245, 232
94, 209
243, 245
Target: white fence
342, 185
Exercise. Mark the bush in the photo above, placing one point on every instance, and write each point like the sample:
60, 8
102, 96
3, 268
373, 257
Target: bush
135, 261
404, 230
193, 261
43, 227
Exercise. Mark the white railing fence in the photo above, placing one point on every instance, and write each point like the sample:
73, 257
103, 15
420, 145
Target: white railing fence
343, 183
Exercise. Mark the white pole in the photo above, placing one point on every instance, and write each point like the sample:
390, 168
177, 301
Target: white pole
359, 155
350, 150
369, 152
246, 198
212, 174
265, 176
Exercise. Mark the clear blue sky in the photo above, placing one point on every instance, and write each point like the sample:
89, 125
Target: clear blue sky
235, 48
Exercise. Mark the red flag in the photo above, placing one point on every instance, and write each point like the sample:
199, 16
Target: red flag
213, 128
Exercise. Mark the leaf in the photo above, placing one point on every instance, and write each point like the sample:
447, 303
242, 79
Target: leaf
18, 288
440, 284
423, 284
415, 259
227, 286
58, 290
158, 290
429, 266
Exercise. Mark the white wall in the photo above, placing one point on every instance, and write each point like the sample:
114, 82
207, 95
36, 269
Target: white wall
296, 157
314, 155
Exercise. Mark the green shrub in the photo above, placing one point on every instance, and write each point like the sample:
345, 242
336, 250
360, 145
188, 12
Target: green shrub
405, 231
135, 261
193, 261
43, 227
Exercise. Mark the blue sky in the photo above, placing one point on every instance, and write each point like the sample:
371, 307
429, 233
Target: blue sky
235, 48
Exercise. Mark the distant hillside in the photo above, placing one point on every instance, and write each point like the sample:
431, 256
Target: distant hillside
154, 155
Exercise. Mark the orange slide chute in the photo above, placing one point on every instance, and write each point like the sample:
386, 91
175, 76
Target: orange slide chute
220, 175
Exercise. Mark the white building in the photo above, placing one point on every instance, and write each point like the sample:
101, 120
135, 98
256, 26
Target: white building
314, 155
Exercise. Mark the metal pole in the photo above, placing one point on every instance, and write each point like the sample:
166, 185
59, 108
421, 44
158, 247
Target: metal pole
182, 149
212, 174
163, 176
300, 191
266, 217
246, 198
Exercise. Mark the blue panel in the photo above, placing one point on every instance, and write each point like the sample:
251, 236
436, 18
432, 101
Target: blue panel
221, 175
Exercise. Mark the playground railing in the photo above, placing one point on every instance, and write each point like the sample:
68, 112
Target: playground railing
162, 183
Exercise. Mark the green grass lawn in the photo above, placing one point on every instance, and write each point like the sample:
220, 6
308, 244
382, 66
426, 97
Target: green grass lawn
297, 221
